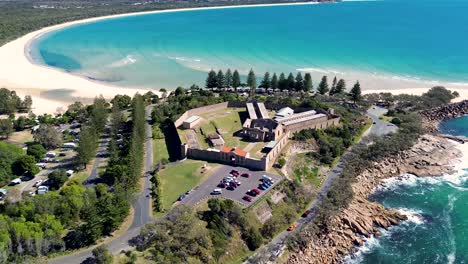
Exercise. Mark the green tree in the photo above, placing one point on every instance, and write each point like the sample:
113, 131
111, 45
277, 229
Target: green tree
220, 79
236, 82
6, 127
308, 85
252, 81
122, 101
211, 80
291, 82
48, 136
333, 88
87, 146
266, 82
228, 78
282, 82
299, 82
323, 86
340, 87
56, 179
355, 92
99, 114
102, 255
25, 165
20, 123
37, 151
274, 82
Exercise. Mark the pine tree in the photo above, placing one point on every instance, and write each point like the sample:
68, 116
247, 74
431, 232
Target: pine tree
308, 86
291, 82
299, 82
333, 88
228, 78
87, 145
341, 86
252, 81
355, 92
220, 79
274, 82
323, 86
211, 80
236, 80
282, 83
266, 82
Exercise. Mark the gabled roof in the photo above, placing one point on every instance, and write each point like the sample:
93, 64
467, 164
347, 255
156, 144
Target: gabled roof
238, 152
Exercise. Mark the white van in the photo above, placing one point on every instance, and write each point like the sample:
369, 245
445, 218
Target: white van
217, 191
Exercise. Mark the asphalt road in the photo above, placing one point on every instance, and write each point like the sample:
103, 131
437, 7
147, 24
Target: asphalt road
91, 181
274, 249
141, 207
204, 189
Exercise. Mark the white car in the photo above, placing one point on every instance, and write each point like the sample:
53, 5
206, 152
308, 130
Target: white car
37, 183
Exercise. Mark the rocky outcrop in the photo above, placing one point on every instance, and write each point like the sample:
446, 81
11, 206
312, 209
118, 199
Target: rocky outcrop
431, 156
432, 117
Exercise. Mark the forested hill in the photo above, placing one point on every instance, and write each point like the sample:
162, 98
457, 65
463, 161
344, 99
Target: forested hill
21, 17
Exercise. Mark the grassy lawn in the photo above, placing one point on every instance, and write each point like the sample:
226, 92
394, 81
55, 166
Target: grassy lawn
21, 137
255, 151
178, 178
159, 150
228, 121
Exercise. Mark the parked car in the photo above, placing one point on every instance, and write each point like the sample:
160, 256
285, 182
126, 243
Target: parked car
245, 175
251, 193
222, 185
292, 227
16, 181
306, 213
262, 187
231, 188
62, 154
37, 183
181, 197
256, 191
42, 189
41, 165
234, 171
247, 198
217, 191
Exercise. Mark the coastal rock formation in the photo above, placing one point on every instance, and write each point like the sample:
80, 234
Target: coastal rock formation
430, 156
432, 117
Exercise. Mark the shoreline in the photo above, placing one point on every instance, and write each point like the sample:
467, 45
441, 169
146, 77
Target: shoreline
364, 220
46, 84
15, 64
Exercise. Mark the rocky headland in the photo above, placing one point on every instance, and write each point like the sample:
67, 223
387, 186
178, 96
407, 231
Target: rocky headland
430, 156
432, 117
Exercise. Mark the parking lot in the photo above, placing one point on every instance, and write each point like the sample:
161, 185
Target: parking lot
205, 188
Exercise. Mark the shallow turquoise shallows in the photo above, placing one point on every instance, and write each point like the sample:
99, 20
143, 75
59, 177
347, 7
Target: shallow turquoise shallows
421, 39
437, 230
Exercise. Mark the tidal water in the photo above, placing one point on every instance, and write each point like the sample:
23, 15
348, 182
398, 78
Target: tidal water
437, 229
398, 39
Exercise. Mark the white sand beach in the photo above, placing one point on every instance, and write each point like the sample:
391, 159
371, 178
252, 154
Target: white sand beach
18, 73
53, 88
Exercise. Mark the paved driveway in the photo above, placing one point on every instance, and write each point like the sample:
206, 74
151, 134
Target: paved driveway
204, 189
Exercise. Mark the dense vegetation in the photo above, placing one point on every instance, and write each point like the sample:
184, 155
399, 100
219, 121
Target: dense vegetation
73, 216
11, 103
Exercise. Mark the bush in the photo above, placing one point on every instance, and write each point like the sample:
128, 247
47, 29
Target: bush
37, 151
396, 121
57, 179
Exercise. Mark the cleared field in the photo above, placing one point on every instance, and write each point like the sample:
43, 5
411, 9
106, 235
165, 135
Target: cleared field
226, 121
178, 178
21, 137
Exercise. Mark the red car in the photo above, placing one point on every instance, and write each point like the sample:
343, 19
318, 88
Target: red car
247, 198
306, 213
235, 174
245, 175
256, 191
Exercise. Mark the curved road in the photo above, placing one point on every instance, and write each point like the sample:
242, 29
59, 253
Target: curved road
141, 206
271, 251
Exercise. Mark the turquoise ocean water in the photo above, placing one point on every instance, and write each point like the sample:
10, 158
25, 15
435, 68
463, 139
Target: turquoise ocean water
437, 230
417, 39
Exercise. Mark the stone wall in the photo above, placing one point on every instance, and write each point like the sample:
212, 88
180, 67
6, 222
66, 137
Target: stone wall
318, 123
216, 156
276, 150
